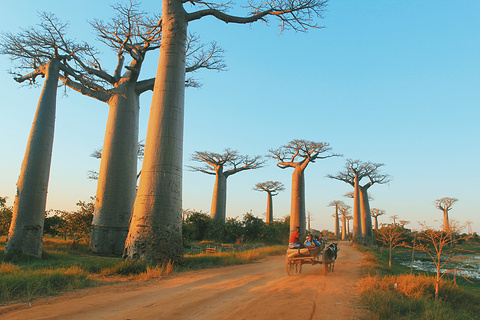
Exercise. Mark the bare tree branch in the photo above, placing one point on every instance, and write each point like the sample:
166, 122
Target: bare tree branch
297, 15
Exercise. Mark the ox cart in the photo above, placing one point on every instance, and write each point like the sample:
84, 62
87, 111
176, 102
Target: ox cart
325, 255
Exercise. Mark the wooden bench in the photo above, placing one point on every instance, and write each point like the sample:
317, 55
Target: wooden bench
211, 250
227, 247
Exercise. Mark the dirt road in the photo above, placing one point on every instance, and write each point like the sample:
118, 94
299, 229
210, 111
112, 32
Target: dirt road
261, 290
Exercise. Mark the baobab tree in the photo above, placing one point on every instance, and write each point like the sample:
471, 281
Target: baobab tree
45, 51
374, 177
222, 166
469, 227
445, 205
355, 171
348, 224
131, 34
394, 218
297, 154
403, 223
344, 211
155, 228
272, 188
336, 204
375, 213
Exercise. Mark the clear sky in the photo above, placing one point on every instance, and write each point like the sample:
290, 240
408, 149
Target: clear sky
395, 82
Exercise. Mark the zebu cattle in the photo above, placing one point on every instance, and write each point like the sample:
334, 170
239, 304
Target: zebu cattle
331, 255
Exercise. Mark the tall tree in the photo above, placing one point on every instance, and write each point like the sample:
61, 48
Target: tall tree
344, 211
297, 154
131, 34
374, 176
336, 204
272, 188
44, 50
375, 213
445, 204
348, 223
155, 230
222, 166
354, 172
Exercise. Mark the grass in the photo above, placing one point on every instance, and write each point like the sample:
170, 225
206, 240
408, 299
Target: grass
396, 294
64, 267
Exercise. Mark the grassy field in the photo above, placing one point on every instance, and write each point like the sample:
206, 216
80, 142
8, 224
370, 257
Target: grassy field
64, 267
396, 294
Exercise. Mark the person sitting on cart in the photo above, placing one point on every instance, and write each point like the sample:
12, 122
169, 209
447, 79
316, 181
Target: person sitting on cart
309, 243
294, 242
317, 241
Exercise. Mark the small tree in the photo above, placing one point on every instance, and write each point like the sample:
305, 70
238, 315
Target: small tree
392, 236
445, 204
434, 243
5, 216
272, 188
222, 166
254, 227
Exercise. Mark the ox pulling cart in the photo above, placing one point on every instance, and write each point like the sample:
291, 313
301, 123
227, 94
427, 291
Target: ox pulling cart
324, 254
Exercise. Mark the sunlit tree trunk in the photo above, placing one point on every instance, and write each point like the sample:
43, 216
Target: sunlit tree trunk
155, 232
26, 229
446, 223
376, 223
337, 227
118, 173
219, 197
366, 216
344, 228
297, 209
357, 222
348, 227
269, 217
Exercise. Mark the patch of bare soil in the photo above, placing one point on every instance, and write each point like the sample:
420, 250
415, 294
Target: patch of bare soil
260, 290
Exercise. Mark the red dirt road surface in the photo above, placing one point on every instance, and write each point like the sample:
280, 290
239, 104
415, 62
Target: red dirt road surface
261, 290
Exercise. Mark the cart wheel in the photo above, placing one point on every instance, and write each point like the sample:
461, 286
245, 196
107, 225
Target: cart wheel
290, 267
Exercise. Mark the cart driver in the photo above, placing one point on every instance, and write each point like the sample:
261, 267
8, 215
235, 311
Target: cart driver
295, 239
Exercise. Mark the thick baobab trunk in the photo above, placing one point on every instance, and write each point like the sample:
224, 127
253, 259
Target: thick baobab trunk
337, 227
26, 229
219, 198
357, 224
297, 209
446, 223
344, 228
366, 217
376, 223
269, 217
117, 177
155, 232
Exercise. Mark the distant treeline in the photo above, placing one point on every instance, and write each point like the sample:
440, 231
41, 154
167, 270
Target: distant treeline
197, 226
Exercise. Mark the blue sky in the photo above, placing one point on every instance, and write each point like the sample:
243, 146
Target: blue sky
396, 82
